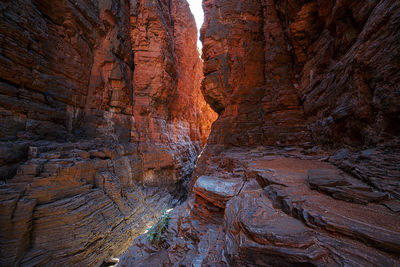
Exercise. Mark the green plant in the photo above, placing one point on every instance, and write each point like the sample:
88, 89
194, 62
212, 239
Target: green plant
156, 232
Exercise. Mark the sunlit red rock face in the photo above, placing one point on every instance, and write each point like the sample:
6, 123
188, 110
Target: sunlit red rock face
302, 165
249, 76
99, 101
172, 120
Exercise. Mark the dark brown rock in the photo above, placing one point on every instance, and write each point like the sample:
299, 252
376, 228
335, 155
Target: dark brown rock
290, 80
393, 205
64, 207
269, 223
339, 186
260, 235
379, 167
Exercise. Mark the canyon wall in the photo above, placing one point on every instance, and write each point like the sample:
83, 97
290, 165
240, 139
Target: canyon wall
302, 165
290, 72
100, 102
317, 73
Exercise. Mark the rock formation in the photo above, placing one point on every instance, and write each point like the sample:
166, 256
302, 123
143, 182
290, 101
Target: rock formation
103, 117
100, 102
288, 72
302, 165
261, 207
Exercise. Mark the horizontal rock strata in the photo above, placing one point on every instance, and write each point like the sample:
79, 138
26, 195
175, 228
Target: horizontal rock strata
100, 101
276, 218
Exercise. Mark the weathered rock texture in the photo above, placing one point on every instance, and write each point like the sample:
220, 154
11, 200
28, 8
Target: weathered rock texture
99, 101
289, 79
293, 71
76, 203
268, 207
172, 120
308, 73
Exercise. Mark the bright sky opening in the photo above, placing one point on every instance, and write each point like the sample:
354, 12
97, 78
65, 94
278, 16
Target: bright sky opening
197, 10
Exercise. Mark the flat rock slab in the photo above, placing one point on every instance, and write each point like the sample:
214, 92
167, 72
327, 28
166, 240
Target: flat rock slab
259, 233
326, 177
393, 205
216, 190
267, 225
341, 186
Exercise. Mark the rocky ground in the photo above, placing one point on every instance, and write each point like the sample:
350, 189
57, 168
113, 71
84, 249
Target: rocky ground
271, 207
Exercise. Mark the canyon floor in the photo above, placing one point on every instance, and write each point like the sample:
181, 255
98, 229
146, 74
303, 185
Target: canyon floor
272, 207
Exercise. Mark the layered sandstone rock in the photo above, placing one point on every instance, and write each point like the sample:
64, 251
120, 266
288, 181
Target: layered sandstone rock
302, 165
268, 207
99, 101
167, 76
249, 76
291, 72
75, 204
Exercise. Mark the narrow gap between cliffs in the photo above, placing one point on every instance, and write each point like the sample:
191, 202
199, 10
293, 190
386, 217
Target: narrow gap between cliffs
155, 230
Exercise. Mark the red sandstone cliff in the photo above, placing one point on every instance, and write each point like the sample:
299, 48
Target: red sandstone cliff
291, 72
99, 99
172, 120
317, 73
291, 80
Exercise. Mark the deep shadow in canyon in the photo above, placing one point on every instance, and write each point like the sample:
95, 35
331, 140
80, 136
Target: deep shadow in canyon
105, 113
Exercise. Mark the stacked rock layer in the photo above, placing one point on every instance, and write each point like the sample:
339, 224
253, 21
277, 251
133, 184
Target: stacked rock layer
100, 102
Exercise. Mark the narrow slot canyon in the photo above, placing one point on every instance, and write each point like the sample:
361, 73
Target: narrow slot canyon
123, 144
